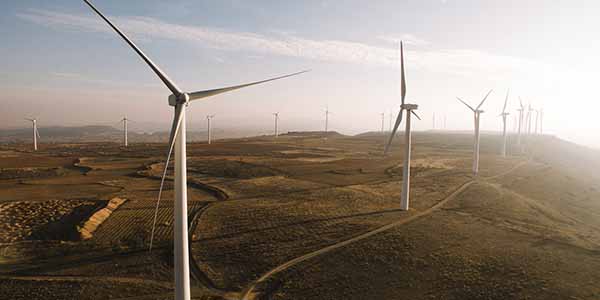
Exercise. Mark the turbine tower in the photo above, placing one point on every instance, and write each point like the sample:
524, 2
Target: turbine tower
177, 139
477, 114
327, 113
390, 120
529, 110
209, 129
542, 120
504, 114
521, 111
36, 133
276, 120
410, 110
124, 120
382, 122
537, 115
433, 119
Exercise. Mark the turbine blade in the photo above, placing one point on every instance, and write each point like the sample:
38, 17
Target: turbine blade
37, 132
28, 119
505, 101
165, 79
414, 113
484, 98
402, 78
398, 121
174, 129
208, 93
465, 103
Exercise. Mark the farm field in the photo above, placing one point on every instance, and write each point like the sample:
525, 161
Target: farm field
305, 216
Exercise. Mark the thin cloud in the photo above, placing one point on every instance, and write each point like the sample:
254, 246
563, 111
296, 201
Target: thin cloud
67, 76
458, 62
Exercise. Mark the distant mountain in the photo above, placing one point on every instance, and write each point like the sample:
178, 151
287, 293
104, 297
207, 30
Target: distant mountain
101, 133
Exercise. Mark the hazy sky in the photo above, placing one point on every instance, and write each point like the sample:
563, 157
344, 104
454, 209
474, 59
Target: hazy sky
61, 64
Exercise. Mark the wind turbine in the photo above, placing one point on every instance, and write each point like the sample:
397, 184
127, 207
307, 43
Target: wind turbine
209, 130
177, 139
36, 133
124, 120
521, 111
537, 115
390, 119
504, 114
433, 119
529, 110
410, 110
382, 122
477, 113
327, 113
276, 120
444, 122
542, 120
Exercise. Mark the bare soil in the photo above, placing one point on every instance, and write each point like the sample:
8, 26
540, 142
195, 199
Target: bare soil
306, 216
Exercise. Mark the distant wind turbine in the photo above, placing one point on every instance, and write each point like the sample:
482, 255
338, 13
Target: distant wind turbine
542, 120
433, 119
537, 115
504, 114
276, 121
521, 111
410, 110
390, 120
177, 139
36, 133
529, 110
209, 129
327, 113
477, 114
124, 120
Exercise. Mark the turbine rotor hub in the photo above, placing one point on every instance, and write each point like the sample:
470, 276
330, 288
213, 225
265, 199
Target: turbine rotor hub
183, 98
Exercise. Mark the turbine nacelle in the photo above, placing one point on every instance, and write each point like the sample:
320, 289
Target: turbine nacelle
409, 106
183, 98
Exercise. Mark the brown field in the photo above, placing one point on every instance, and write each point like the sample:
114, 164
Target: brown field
306, 216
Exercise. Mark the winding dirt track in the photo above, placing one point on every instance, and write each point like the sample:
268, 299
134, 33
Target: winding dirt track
249, 294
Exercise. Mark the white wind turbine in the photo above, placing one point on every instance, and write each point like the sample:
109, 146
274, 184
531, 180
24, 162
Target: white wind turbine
410, 110
382, 122
542, 120
521, 111
529, 110
177, 139
390, 119
327, 113
209, 129
276, 123
537, 115
504, 114
36, 133
477, 114
124, 120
